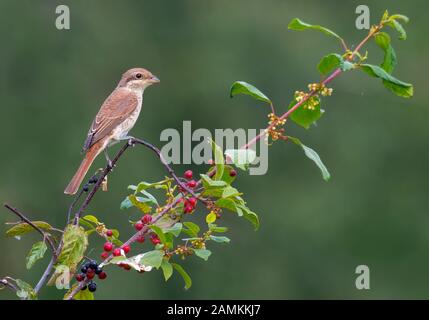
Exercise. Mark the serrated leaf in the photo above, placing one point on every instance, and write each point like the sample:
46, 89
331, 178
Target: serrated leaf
398, 87
75, 242
305, 116
184, 274
23, 228
220, 239
312, 155
167, 269
37, 252
203, 253
241, 87
299, 25
241, 158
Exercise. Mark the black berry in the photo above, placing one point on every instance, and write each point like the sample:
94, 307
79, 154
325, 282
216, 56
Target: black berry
98, 270
84, 288
92, 286
84, 269
86, 188
93, 264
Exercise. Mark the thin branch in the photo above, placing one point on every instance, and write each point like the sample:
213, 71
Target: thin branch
6, 283
29, 222
45, 275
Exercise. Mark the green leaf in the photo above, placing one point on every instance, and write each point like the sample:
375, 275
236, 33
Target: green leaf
126, 203
37, 252
192, 229
210, 183
227, 204
305, 116
230, 192
25, 290
241, 158
185, 276
312, 155
405, 19
249, 215
175, 229
220, 239
329, 62
81, 295
148, 198
398, 87
23, 228
219, 160
203, 253
167, 269
211, 217
382, 39
75, 242
299, 25
241, 87
152, 258
215, 228
398, 27
91, 218
139, 204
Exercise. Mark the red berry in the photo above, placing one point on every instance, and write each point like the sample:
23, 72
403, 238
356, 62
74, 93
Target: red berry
80, 277
126, 248
104, 255
188, 208
102, 275
232, 173
90, 275
147, 218
140, 239
138, 226
117, 252
192, 183
188, 174
108, 246
109, 233
155, 240
192, 201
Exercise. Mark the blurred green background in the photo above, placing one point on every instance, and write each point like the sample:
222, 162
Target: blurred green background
313, 234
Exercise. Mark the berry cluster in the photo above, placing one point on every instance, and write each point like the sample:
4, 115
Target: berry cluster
88, 271
189, 204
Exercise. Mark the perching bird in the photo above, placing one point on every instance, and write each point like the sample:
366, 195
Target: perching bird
116, 117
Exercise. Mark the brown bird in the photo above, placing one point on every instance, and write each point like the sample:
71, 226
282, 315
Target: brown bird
116, 117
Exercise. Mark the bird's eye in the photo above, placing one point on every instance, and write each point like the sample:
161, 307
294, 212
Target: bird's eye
139, 75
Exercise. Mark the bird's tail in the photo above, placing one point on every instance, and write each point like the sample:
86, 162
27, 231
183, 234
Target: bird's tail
90, 155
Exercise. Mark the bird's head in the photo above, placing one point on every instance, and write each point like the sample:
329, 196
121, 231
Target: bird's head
137, 79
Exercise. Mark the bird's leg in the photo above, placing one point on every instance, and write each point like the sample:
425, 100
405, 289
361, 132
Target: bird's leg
109, 162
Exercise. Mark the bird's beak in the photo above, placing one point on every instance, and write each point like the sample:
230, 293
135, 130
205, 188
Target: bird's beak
154, 79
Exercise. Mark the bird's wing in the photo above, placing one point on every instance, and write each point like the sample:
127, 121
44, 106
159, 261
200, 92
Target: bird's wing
117, 107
